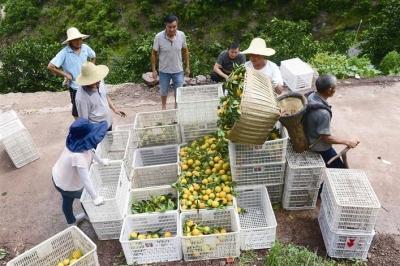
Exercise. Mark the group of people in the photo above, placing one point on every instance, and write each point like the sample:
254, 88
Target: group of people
91, 105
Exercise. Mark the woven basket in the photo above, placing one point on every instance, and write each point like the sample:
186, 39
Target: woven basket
293, 107
259, 110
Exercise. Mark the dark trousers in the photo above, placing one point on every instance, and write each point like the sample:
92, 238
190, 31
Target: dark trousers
326, 156
68, 198
217, 78
72, 94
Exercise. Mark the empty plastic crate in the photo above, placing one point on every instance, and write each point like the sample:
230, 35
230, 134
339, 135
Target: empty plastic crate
17, 141
297, 74
147, 193
275, 193
345, 244
259, 174
272, 151
304, 170
157, 128
349, 200
110, 182
106, 230
257, 223
299, 199
7, 117
155, 166
197, 110
213, 246
59, 247
151, 250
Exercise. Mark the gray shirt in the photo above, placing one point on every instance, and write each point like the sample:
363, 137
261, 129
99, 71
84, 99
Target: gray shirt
93, 105
170, 51
317, 122
227, 63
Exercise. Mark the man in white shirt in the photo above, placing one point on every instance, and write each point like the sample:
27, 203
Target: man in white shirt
257, 52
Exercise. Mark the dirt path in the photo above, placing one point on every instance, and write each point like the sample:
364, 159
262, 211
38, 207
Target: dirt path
30, 207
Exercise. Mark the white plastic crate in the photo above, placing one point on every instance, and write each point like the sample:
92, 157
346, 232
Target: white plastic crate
297, 74
59, 247
110, 182
151, 250
147, 193
299, 199
349, 200
198, 103
258, 223
275, 193
107, 230
152, 156
232, 206
211, 246
151, 176
272, 151
258, 174
157, 128
7, 117
345, 244
18, 143
304, 170
195, 130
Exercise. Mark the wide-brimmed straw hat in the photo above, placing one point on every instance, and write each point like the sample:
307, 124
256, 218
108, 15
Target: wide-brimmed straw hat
258, 46
84, 135
73, 34
90, 74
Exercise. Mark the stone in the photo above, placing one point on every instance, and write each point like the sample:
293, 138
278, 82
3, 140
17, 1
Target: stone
148, 79
201, 79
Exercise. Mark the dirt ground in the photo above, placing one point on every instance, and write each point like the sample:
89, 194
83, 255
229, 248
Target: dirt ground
30, 209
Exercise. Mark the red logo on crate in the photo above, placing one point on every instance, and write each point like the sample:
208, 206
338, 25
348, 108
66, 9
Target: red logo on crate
350, 242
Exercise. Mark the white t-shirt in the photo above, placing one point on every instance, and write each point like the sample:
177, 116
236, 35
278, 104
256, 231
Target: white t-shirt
271, 70
65, 173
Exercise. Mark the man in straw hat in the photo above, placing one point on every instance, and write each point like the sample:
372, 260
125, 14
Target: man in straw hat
67, 63
92, 101
168, 46
257, 52
70, 174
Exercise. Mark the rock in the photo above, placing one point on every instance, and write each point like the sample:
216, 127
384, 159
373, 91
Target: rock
190, 81
200, 79
357, 76
148, 79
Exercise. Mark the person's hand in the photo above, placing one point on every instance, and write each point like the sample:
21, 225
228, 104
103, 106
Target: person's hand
105, 161
120, 113
352, 143
68, 76
98, 201
278, 89
187, 72
155, 75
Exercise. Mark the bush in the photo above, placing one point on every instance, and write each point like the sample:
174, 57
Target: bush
343, 67
25, 67
19, 14
134, 62
390, 64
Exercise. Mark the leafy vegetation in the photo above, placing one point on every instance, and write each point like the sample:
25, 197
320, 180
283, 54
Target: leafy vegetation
122, 32
390, 64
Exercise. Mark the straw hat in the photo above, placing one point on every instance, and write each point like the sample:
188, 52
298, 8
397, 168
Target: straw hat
73, 34
90, 74
258, 46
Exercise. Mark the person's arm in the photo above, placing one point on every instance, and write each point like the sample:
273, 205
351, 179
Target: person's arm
154, 55
185, 51
83, 173
91, 54
114, 109
58, 72
217, 69
277, 80
336, 140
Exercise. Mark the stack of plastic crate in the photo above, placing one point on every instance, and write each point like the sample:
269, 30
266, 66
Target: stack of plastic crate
58, 248
349, 209
304, 174
157, 128
197, 110
296, 74
16, 140
257, 219
111, 182
261, 164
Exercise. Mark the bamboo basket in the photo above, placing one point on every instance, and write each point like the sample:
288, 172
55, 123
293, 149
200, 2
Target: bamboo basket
293, 107
259, 110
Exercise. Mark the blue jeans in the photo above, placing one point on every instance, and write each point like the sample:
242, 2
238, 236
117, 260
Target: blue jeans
68, 198
165, 79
